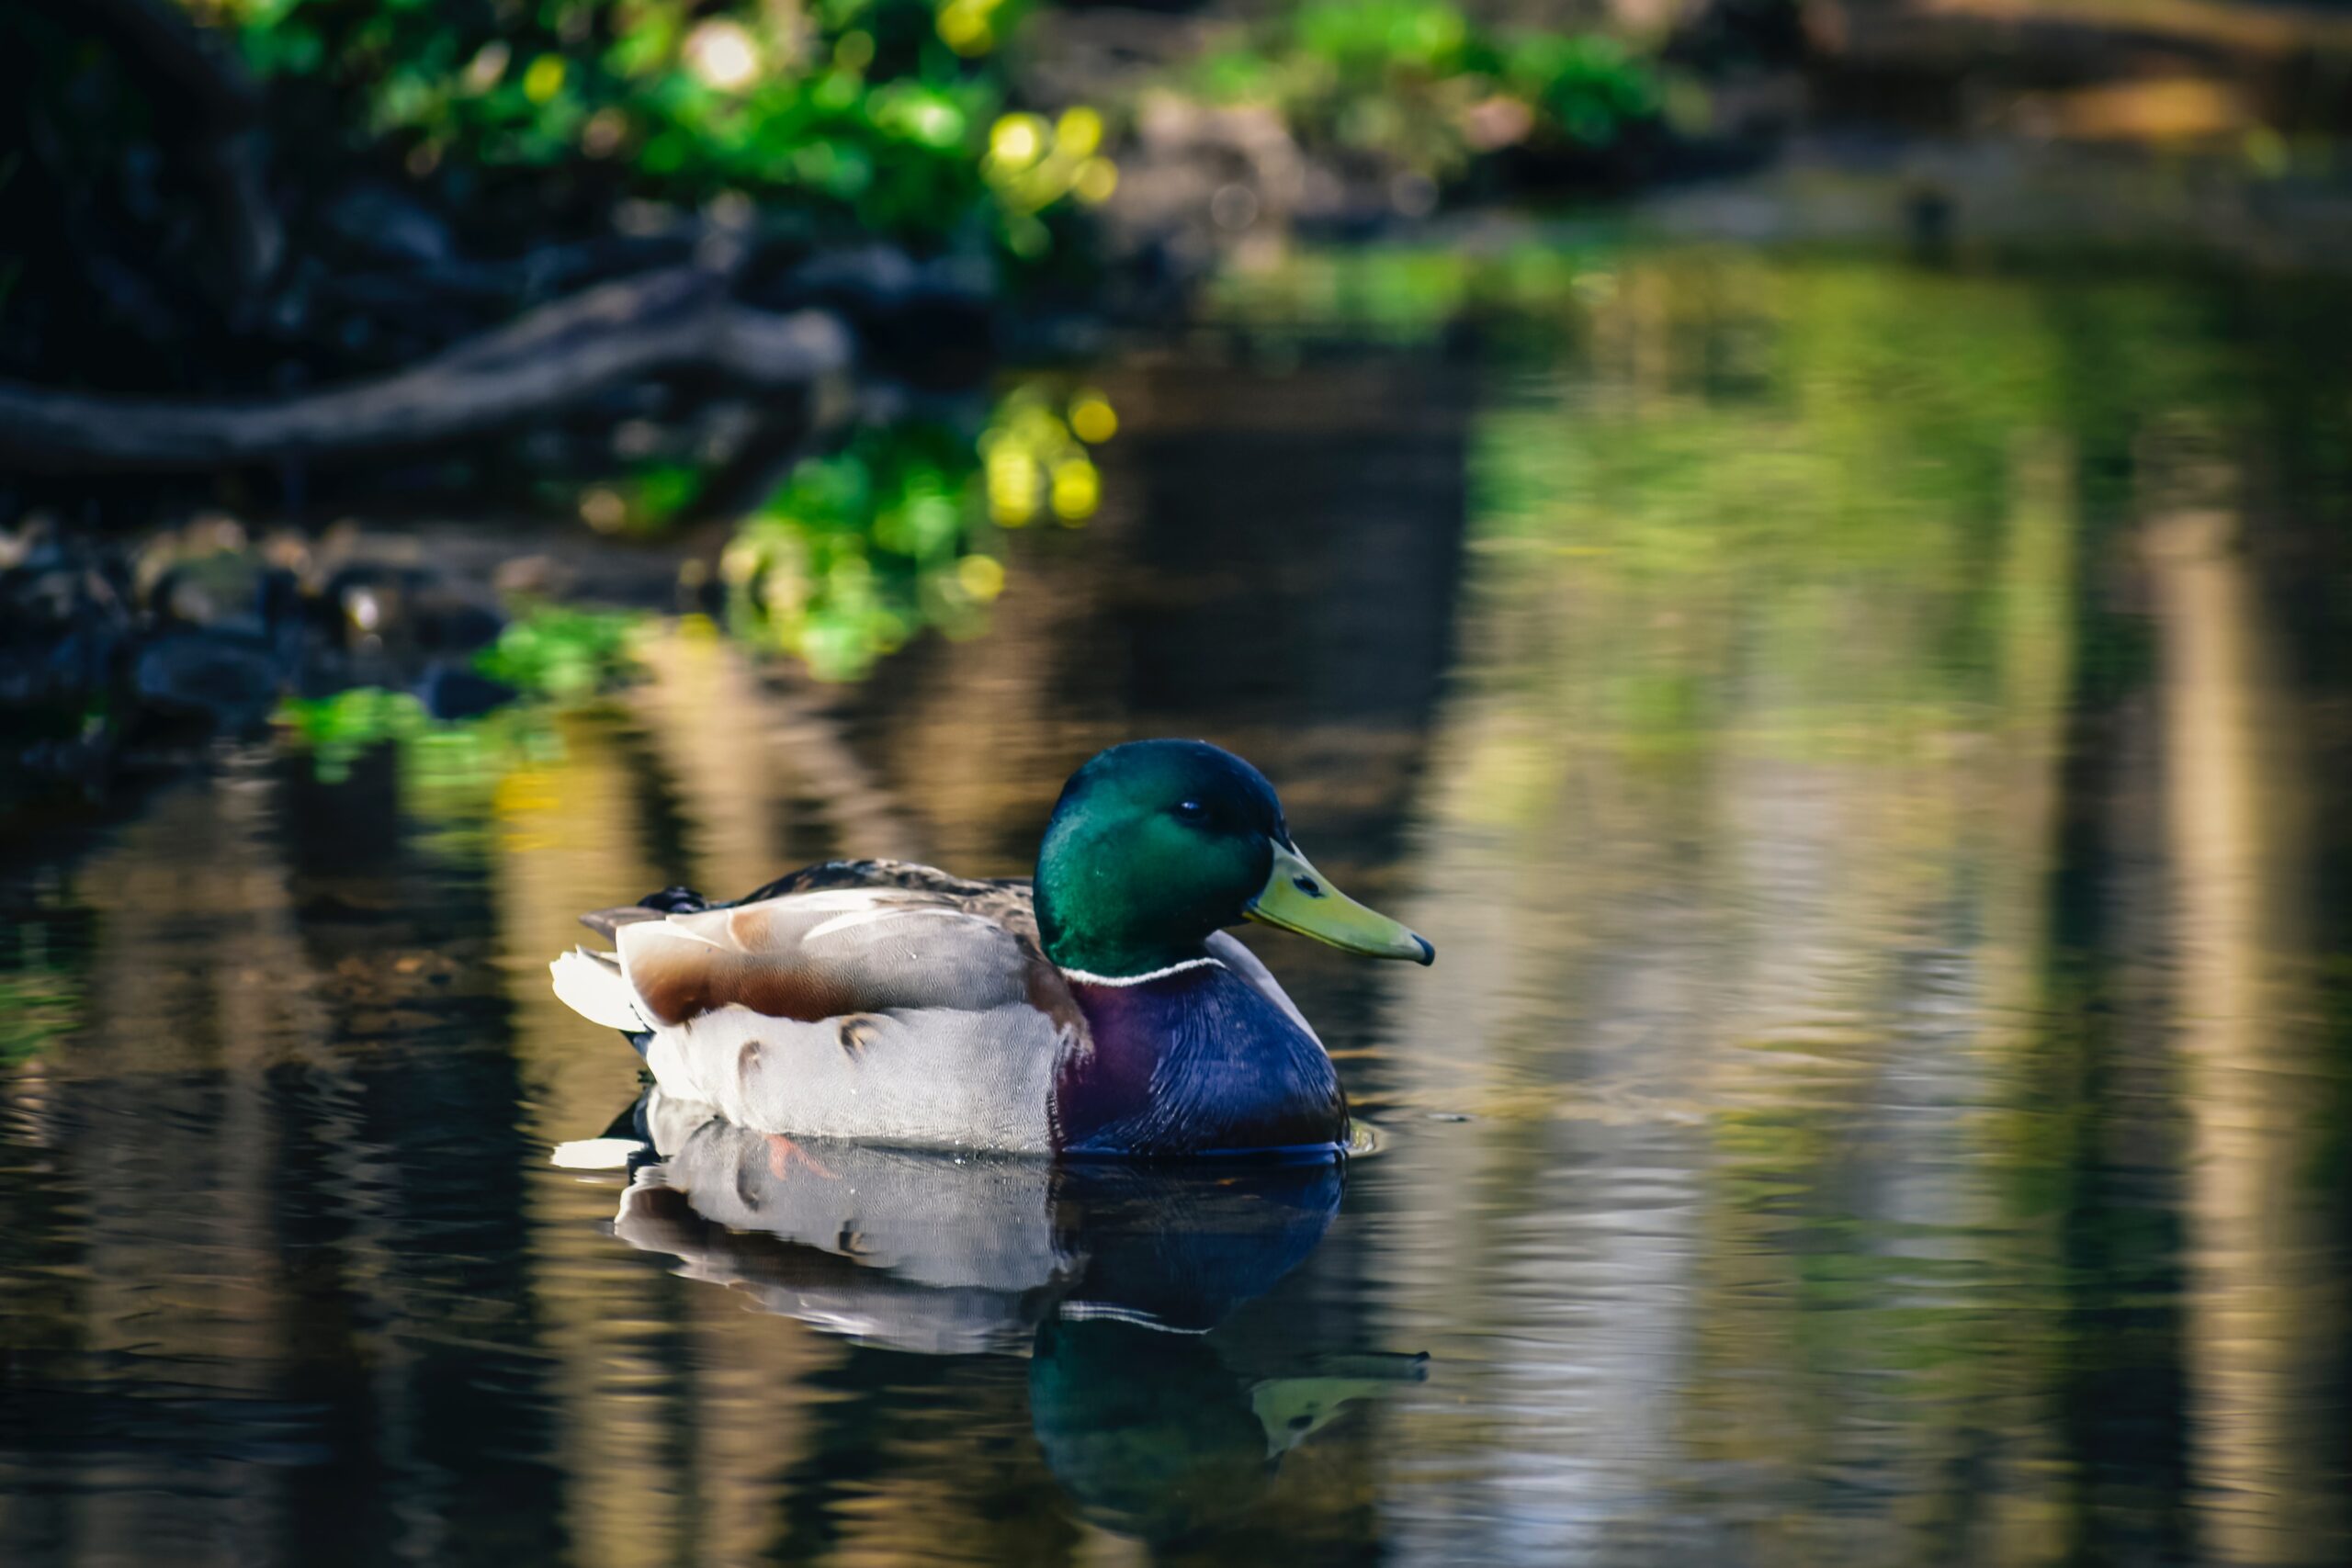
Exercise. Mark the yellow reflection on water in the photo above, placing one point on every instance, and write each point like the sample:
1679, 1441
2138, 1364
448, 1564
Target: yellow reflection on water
2265, 1309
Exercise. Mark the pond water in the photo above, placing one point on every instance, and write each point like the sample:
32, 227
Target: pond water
1861, 736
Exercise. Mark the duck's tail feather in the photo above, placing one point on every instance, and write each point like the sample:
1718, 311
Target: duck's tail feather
607, 923
653, 906
590, 984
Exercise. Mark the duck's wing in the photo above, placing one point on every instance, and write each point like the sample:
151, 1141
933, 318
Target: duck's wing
908, 877
1007, 896
832, 954
899, 1015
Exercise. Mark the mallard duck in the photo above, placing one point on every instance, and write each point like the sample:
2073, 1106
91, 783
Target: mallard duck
1102, 1009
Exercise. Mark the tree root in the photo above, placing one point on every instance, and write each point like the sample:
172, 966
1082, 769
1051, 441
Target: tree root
544, 361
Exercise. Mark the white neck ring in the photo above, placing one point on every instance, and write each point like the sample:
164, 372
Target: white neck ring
1085, 978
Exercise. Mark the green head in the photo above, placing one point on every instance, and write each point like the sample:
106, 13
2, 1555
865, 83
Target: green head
1156, 844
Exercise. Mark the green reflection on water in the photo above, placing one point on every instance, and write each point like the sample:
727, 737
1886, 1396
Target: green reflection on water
37, 1008
1790, 588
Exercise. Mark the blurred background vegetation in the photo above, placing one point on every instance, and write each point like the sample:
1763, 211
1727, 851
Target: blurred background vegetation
857, 118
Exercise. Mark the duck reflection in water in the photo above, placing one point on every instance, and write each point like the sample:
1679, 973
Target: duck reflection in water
1112, 1277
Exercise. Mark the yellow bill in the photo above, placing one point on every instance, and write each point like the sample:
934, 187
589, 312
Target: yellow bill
1297, 898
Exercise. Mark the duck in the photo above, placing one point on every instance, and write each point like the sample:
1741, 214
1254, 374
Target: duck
1100, 1009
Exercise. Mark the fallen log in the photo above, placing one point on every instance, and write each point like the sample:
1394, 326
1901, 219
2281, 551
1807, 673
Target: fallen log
544, 361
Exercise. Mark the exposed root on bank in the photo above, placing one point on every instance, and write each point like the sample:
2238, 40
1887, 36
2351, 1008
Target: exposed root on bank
547, 359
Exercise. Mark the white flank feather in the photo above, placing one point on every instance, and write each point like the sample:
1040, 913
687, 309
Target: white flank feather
593, 988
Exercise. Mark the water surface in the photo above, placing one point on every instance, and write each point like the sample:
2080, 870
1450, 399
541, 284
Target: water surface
1862, 737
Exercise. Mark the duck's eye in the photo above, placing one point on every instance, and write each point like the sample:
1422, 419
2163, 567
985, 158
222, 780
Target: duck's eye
1191, 811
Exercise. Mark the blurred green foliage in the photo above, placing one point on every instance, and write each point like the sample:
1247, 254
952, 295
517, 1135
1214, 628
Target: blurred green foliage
556, 651
871, 116
1423, 87
548, 654
856, 553
862, 548
338, 730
